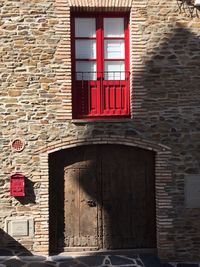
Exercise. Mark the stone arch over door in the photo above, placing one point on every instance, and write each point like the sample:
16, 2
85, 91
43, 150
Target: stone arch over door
162, 178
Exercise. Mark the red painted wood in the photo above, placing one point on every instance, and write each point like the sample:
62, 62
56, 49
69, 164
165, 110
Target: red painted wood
17, 185
127, 62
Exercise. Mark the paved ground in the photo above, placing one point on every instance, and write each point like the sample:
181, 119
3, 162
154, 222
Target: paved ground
15, 258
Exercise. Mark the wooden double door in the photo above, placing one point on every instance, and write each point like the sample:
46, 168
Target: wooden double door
109, 200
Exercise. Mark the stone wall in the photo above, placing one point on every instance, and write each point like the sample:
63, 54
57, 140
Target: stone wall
35, 104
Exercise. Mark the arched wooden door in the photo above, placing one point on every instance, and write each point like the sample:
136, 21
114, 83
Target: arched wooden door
109, 198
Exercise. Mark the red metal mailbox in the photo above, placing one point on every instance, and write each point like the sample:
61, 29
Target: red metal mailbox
17, 185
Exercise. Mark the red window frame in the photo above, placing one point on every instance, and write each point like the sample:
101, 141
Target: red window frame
82, 108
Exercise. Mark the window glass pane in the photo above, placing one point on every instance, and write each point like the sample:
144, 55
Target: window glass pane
114, 70
114, 27
114, 49
85, 49
85, 27
85, 70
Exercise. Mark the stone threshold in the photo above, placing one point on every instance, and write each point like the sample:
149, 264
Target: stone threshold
86, 121
108, 252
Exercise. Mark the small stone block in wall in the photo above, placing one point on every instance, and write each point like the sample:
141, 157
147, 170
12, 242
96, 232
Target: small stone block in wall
19, 227
192, 191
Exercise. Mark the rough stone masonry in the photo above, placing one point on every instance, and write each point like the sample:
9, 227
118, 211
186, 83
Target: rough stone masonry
36, 106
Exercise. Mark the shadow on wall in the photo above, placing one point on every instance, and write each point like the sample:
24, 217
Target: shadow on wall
29, 197
56, 204
171, 79
10, 247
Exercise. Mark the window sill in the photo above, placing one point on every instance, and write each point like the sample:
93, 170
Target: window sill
84, 121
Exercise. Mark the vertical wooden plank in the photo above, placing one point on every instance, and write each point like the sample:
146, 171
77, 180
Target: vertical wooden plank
71, 207
81, 187
88, 209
